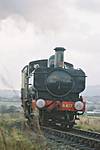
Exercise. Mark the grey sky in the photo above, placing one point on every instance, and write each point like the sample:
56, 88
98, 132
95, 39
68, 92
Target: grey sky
89, 5
30, 29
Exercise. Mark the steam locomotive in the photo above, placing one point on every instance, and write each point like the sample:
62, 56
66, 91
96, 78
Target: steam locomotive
52, 86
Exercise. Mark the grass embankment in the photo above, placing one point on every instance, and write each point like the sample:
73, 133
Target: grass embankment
91, 123
15, 136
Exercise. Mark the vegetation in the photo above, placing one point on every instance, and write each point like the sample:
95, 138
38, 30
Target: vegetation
14, 135
91, 123
8, 109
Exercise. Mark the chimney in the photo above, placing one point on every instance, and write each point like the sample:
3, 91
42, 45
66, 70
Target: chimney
59, 57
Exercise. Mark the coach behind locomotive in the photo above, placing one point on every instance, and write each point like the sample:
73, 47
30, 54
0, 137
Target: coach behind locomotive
53, 87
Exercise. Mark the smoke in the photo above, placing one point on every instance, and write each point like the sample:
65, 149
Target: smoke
54, 15
30, 29
48, 15
63, 16
6, 81
8, 85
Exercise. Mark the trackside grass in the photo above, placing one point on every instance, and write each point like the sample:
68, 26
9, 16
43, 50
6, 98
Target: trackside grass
15, 136
91, 123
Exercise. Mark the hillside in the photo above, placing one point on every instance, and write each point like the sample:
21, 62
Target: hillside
91, 94
89, 91
9, 94
92, 91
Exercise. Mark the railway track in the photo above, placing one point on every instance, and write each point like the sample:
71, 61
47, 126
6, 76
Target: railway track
93, 135
75, 139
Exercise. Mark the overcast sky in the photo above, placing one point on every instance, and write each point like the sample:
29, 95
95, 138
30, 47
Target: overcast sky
31, 29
